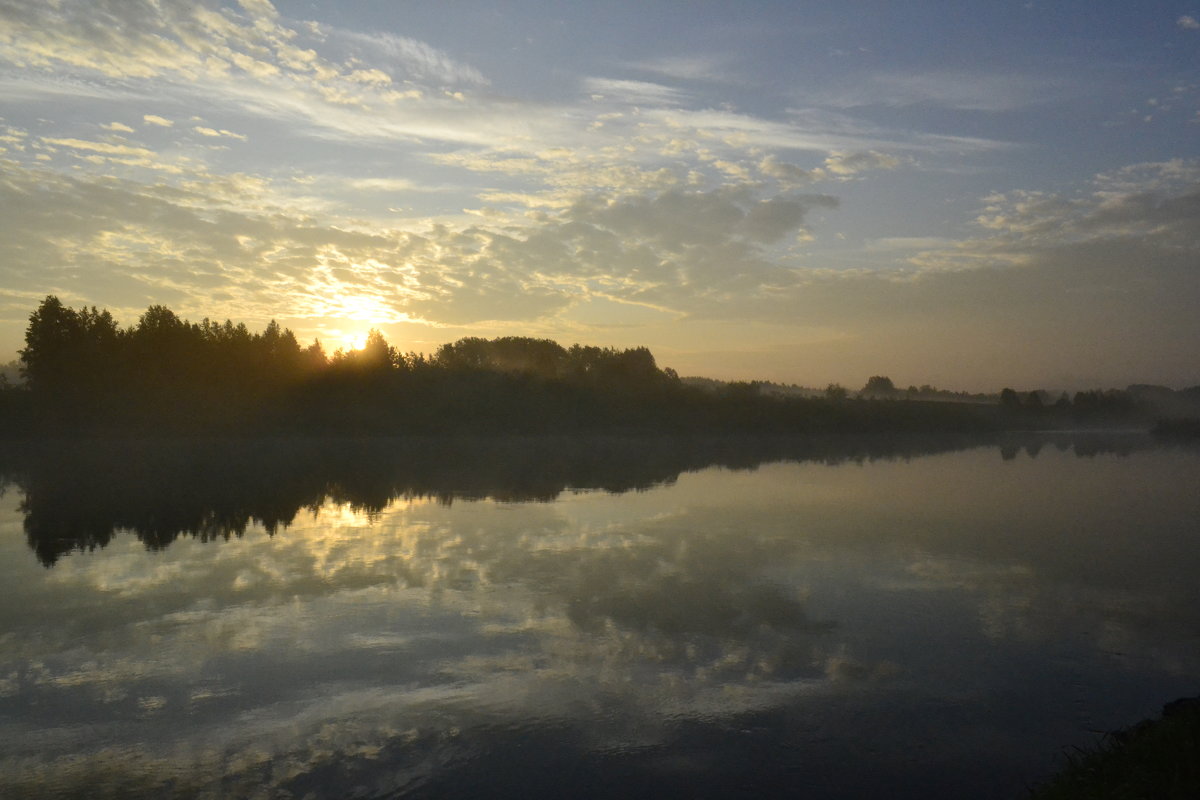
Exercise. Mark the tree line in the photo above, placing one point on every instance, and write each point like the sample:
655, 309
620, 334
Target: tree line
86, 374
82, 371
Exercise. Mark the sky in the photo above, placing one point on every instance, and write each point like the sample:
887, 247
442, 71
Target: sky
966, 194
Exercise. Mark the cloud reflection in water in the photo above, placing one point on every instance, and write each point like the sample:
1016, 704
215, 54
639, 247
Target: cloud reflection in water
418, 643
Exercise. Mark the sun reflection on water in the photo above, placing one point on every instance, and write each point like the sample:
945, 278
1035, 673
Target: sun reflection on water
406, 630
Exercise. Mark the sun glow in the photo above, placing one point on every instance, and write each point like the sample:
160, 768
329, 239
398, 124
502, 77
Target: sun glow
358, 313
356, 340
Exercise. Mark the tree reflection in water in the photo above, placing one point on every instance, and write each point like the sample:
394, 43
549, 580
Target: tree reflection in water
497, 650
79, 495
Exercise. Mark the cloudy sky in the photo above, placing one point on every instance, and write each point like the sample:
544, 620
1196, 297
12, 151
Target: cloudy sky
968, 194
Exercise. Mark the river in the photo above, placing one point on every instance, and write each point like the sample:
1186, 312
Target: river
900, 620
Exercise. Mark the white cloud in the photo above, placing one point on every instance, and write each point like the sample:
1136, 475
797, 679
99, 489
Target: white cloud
836, 166
694, 68
410, 57
848, 164
259, 8
1156, 200
385, 185
252, 63
636, 92
1188, 23
666, 249
657, 195
336, 84
892, 243
33, 86
968, 91
214, 133
806, 129
790, 174
1057, 263
98, 147
329, 84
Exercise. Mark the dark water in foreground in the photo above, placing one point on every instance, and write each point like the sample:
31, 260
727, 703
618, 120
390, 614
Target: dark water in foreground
904, 621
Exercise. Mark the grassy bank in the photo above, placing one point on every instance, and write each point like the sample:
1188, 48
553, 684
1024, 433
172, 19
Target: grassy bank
1156, 759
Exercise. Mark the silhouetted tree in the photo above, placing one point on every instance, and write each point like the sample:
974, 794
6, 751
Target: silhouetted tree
166, 374
1103, 405
53, 340
879, 386
836, 392
376, 355
69, 359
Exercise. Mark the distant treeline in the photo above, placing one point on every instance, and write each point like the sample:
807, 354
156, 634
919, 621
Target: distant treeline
85, 374
1169, 412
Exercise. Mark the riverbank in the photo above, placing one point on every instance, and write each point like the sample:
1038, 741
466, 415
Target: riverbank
1157, 758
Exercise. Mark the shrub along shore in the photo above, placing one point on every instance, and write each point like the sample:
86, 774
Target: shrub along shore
1157, 759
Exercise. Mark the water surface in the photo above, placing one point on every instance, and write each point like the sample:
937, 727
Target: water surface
875, 621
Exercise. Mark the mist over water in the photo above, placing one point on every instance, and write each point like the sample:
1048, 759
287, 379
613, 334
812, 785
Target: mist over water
916, 617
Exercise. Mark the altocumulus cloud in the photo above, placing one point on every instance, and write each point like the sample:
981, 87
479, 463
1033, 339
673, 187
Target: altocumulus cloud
1053, 263
680, 250
324, 82
1053, 283
462, 201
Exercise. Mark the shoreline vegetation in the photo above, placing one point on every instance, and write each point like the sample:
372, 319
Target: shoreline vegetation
85, 375
1156, 758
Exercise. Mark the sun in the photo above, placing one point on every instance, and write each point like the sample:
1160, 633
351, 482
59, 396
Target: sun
354, 341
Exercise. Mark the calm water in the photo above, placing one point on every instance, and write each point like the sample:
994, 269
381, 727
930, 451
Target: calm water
894, 621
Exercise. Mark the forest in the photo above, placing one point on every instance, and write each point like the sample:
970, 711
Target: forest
85, 374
